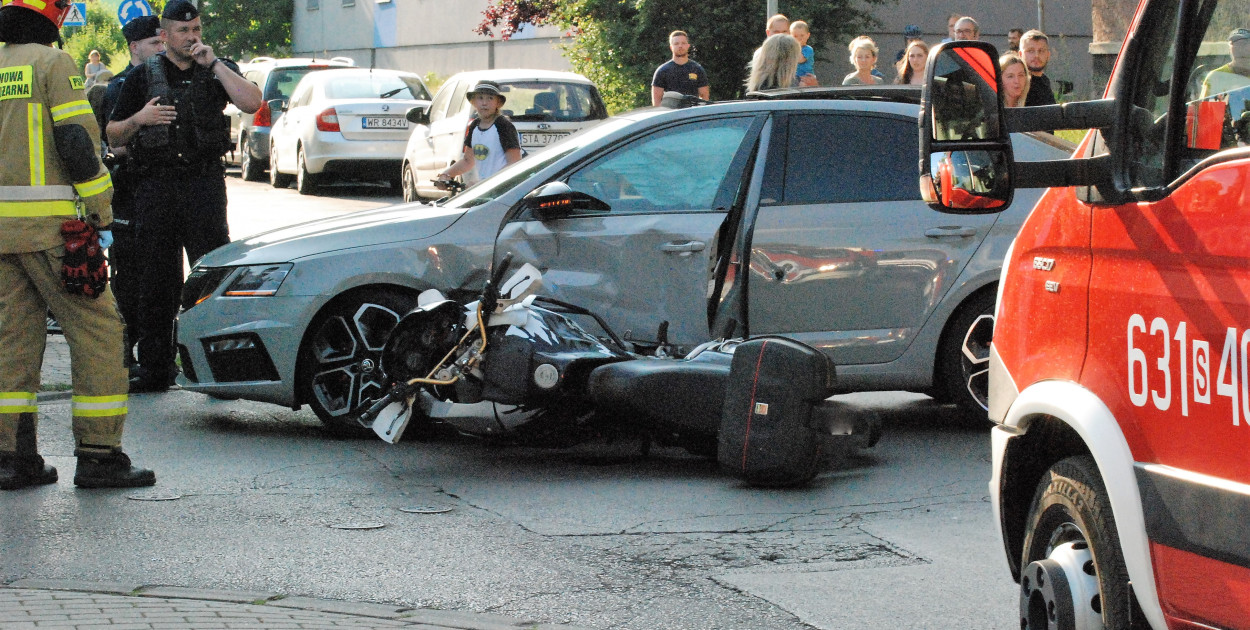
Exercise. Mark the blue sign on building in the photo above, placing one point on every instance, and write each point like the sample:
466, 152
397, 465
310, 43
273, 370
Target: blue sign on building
131, 9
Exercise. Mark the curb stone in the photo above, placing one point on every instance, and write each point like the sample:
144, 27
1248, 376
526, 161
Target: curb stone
402, 616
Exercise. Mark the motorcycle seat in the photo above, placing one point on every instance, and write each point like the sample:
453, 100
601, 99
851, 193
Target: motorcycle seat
685, 395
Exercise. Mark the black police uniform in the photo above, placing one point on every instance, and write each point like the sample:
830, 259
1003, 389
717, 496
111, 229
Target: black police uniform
123, 254
180, 199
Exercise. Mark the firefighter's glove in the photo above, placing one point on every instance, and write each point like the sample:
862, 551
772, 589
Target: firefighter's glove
84, 270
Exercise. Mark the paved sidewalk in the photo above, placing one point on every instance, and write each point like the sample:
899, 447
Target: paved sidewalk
55, 379
71, 605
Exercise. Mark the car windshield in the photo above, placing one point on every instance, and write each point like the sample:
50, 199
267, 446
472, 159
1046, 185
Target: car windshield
513, 174
537, 101
376, 86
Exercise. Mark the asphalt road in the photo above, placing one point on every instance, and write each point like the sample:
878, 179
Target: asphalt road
598, 535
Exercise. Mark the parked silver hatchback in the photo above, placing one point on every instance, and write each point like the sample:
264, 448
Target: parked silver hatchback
791, 216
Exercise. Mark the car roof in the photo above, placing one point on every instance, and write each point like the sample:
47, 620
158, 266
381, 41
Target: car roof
330, 74
880, 99
300, 61
505, 75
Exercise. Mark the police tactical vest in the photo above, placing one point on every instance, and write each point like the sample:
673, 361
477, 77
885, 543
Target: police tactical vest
201, 132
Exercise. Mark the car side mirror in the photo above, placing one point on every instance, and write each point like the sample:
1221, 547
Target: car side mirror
965, 148
555, 200
277, 105
418, 115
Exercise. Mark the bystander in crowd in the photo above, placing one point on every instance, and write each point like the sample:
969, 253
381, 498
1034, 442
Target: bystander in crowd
774, 64
1015, 77
806, 74
911, 67
864, 58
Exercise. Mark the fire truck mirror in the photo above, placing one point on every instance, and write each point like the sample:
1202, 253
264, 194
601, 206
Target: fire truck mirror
963, 95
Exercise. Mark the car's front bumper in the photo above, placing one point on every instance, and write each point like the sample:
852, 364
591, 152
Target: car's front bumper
244, 347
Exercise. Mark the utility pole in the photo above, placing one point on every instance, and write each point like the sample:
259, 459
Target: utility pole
1041, 15
771, 9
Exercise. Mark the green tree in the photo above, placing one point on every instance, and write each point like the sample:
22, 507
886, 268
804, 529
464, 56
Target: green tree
241, 30
102, 33
619, 43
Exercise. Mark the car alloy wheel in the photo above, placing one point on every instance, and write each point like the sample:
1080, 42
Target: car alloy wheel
276, 178
249, 170
962, 372
305, 182
340, 363
409, 185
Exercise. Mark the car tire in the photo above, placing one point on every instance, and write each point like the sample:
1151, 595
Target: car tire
276, 178
963, 357
249, 170
409, 185
1074, 570
340, 358
305, 182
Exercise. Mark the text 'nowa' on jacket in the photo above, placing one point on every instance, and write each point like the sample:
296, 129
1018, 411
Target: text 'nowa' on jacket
41, 91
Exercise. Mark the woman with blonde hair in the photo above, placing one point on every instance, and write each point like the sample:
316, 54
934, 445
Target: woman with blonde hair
775, 63
1016, 79
864, 58
911, 66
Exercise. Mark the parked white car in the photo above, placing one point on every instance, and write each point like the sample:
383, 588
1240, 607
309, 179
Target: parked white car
344, 123
544, 105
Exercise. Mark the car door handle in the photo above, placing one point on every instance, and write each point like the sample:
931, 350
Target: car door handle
683, 246
950, 230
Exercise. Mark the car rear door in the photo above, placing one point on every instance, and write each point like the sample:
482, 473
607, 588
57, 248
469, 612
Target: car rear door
648, 259
447, 132
844, 255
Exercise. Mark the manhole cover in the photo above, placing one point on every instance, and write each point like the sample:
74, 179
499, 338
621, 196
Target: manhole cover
358, 526
425, 509
154, 497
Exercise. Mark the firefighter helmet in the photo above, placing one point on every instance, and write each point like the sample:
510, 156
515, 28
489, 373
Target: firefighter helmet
54, 10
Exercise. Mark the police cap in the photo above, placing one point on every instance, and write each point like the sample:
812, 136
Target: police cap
180, 11
141, 28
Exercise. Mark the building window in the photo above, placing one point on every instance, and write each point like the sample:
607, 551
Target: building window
349, 3
313, 5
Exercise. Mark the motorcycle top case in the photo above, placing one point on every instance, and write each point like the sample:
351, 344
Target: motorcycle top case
766, 434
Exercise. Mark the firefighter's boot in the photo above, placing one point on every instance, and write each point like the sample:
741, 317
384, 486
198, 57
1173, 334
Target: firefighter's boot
111, 469
24, 467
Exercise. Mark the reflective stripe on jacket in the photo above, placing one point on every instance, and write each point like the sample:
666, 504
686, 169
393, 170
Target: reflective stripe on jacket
40, 90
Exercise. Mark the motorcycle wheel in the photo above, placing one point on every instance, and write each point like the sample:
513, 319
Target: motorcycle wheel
340, 359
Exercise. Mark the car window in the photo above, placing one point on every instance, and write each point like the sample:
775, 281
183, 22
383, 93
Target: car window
301, 95
282, 81
375, 86
458, 102
514, 174
439, 105
676, 169
552, 101
843, 158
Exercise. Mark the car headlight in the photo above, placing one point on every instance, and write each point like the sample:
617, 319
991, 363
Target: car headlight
258, 280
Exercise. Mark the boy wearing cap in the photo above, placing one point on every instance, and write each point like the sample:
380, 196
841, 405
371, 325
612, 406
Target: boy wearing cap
491, 142
1234, 74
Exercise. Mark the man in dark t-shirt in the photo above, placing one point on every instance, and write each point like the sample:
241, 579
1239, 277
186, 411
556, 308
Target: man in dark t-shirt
681, 73
1035, 49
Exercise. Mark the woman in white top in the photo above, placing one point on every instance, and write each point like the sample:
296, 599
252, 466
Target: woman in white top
864, 58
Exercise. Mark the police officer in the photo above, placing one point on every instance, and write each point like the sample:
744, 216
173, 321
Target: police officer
144, 40
50, 166
170, 115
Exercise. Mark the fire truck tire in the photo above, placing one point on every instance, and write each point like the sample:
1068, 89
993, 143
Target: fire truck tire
1073, 563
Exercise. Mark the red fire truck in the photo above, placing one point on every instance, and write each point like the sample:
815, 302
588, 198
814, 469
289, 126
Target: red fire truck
1118, 378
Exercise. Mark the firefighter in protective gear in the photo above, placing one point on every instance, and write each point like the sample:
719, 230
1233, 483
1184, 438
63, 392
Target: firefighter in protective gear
49, 170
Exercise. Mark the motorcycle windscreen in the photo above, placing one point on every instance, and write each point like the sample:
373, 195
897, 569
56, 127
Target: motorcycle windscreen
649, 258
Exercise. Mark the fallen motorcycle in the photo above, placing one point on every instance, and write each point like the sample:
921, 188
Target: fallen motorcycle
516, 364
